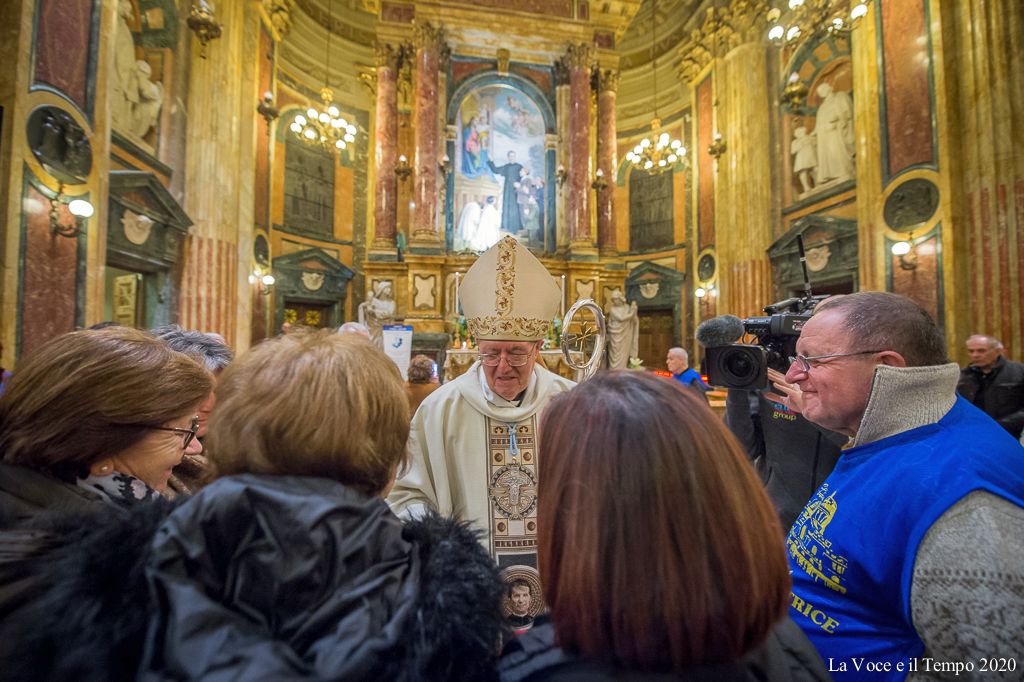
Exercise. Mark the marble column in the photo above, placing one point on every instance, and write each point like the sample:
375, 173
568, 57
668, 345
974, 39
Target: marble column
608, 84
578, 59
428, 41
562, 155
743, 187
385, 212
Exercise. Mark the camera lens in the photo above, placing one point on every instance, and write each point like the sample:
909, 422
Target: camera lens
737, 366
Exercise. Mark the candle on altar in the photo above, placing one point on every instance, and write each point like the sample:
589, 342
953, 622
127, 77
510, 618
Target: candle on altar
563, 295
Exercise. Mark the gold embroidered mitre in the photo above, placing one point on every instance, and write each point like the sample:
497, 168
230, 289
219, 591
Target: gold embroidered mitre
508, 295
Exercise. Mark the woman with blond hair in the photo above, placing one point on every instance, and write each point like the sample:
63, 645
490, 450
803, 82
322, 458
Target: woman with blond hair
290, 564
658, 549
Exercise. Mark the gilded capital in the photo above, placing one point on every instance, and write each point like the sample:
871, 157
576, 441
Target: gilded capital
426, 36
579, 56
386, 56
503, 57
279, 13
607, 80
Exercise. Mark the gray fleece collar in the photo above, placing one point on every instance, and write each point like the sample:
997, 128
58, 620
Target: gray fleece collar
904, 398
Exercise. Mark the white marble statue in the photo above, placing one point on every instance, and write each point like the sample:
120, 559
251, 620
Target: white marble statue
378, 310
623, 331
804, 149
136, 99
834, 129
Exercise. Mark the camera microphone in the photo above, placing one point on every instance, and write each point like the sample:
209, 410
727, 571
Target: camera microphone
719, 331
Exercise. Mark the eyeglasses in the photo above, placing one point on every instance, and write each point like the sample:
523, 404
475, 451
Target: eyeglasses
804, 361
189, 433
513, 359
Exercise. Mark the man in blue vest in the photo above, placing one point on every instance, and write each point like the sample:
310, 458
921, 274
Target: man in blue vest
909, 557
678, 362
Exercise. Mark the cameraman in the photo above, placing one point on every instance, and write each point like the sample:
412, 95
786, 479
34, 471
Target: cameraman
792, 455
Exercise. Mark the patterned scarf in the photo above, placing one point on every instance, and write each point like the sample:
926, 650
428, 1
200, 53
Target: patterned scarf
118, 489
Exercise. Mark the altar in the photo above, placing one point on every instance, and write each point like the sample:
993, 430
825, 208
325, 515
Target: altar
458, 360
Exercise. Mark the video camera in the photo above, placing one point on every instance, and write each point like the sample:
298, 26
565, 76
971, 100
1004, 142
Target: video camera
745, 366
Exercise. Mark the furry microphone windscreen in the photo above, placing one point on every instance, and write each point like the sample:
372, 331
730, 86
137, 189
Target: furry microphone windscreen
719, 331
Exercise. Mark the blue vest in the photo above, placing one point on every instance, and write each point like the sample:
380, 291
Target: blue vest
852, 550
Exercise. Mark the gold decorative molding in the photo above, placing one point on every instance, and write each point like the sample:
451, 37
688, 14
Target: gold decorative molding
723, 29
503, 57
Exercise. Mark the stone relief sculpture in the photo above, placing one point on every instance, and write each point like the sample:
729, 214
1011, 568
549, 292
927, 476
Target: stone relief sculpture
135, 105
804, 149
834, 130
623, 331
378, 310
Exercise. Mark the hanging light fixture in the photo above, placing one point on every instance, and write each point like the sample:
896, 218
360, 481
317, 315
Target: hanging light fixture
324, 127
810, 17
659, 151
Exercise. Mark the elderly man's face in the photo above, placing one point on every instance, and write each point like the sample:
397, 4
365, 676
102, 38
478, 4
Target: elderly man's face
835, 390
505, 379
675, 363
982, 355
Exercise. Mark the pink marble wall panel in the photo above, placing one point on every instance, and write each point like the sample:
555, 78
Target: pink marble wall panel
463, 70
551, 8
49, 278
63, 46
541, 78
705, 171
908, 106
922, 283
399, 14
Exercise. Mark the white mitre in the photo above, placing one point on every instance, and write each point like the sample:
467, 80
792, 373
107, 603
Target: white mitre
508, 295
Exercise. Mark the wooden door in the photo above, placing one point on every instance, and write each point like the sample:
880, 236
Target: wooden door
657, 335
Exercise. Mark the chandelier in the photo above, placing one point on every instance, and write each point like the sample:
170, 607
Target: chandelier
657, 152
324, 127
810, 17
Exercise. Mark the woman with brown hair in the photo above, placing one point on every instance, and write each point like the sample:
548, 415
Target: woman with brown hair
96, 416
657, 547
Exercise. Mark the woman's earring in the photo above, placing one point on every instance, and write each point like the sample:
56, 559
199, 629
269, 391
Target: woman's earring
105, 468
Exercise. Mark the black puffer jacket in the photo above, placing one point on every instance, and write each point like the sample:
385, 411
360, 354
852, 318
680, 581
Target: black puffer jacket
267, 577
786, 656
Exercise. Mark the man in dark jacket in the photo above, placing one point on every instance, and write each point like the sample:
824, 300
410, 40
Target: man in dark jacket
994, 384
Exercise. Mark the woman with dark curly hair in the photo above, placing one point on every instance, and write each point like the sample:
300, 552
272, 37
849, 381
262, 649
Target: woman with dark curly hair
421, 382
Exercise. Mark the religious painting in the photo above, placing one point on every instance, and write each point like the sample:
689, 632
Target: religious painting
308, 190
499, 169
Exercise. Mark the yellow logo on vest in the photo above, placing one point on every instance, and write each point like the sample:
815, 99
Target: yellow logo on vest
809, 546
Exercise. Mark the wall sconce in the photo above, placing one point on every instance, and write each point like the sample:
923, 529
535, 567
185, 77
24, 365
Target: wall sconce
445, 165
795, 92
402, 169
717, 146
203, 24
264, 280
79, 208
599, 183
561, 175
267, 109
906, 253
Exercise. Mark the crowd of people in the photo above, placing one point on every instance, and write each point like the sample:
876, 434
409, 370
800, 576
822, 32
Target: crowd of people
169, 511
